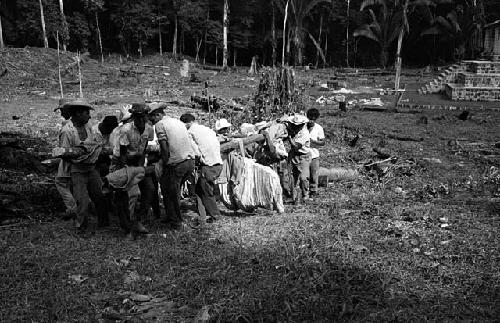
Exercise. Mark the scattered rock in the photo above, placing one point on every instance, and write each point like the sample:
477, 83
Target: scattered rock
77, 279
140, 298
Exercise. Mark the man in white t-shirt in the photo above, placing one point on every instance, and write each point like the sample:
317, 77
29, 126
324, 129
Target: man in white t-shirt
317, 139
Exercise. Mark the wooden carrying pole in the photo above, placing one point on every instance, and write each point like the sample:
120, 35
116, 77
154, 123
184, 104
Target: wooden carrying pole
228, 146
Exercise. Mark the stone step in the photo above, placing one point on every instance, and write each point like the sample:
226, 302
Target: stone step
478, 80
460, 92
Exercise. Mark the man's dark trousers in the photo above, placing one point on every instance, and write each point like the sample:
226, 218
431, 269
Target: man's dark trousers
171, 182
205, 187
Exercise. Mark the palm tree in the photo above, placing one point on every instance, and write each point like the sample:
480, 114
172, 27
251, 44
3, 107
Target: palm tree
301, 9
461, 27
389, 21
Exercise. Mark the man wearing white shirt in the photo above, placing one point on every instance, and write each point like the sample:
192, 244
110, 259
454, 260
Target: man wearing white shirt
317, 139
177, 157
207, 147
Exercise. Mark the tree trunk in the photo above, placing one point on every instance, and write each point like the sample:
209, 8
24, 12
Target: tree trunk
289, 47
65, 24
59, 66
398, 59
273, 34
319, 40
79, 74
198, 47
234, 56
99, 36
299, 45
400, 44
159, 37
284, 36
347, 34
383, 57
174, 46
216, 56
44, 33
182, 41
2, 45
326, 50
206, 32
225, 23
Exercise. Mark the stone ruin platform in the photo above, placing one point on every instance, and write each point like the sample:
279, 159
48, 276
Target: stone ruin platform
477, 80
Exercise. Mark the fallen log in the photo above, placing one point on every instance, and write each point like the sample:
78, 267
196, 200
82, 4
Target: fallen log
154, 66
228, 146
403, 137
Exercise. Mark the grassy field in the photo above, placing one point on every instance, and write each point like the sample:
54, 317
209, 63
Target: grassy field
414, 239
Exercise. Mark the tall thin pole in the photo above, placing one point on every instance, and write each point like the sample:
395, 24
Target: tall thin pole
45, 40
79, 73
225, 23
59, 65
2, 45
64, 22
284, 34
273, 33
319, 40
174, 43
159, 37
400, 44
99, 36
347, 34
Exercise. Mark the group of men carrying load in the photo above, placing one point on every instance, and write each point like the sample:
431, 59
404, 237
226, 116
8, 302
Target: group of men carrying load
111, 166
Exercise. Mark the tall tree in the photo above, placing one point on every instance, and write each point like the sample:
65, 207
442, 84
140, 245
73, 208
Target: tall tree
388, 24
273, 33
2, 45
94, 7
65, 30
404, 28
225, 23
192, 19
44, 33
460, 27
301, 9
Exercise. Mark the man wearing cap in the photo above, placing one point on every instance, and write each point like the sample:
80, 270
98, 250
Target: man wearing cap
134, 137
63, 177
222, 127
299, 155
79, 136
178, 162
207, 148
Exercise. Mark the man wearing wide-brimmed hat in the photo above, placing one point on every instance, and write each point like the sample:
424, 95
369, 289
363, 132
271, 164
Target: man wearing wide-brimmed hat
134, 138
86, 181
299, 155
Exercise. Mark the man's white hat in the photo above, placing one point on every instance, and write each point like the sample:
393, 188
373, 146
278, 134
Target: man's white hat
298, 119
221, 124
